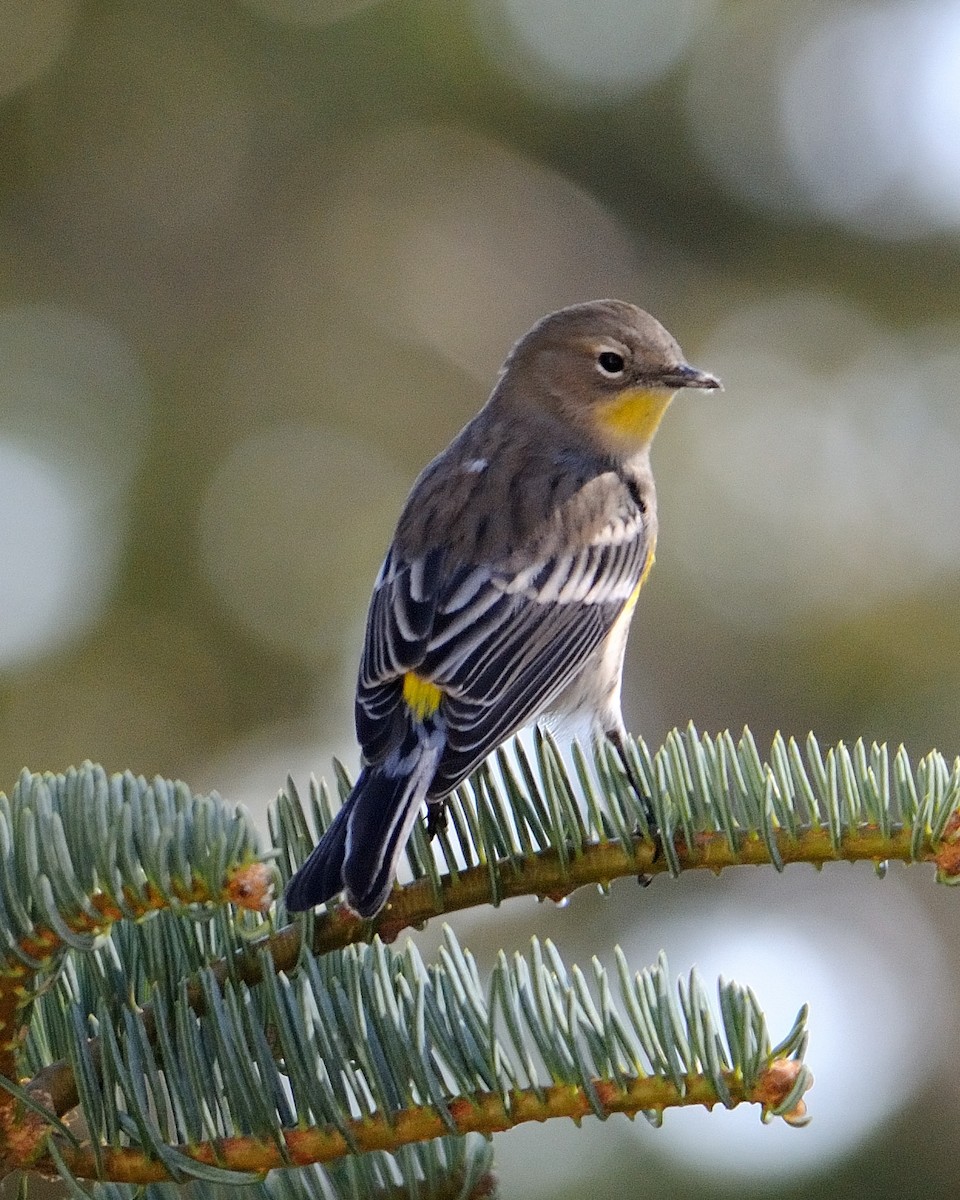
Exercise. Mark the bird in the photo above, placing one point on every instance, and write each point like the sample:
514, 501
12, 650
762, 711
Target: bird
508, 590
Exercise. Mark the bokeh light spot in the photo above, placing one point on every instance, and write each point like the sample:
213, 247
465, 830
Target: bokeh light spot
70, 382
306, 12
35, 33
73, 421
294, 525
871, 118
856, 964
461, 243
51, 554
845, 112
819, 487
581, 54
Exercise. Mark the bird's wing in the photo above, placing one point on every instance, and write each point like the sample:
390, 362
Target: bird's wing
497, 643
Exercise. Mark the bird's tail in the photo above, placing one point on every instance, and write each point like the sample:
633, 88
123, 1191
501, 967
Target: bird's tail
359, 852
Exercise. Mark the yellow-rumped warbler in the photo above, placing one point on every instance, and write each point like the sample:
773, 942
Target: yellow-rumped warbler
509, 587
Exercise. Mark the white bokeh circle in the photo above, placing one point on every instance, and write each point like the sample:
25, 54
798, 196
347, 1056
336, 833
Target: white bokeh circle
582, 54
293, 526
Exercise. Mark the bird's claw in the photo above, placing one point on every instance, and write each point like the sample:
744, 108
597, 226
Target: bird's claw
436, 821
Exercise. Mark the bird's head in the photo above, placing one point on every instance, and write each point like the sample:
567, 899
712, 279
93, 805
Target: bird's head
606, 369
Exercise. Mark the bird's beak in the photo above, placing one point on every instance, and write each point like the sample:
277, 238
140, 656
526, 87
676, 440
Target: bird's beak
685, 376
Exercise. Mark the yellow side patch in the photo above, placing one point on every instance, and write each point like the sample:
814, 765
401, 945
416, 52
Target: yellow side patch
635, 594
635, 415
421, 696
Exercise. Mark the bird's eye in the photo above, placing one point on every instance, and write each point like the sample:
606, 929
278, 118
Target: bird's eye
610, 362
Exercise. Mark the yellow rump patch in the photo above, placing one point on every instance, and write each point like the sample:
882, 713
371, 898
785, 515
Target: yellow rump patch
635, 414
420, 695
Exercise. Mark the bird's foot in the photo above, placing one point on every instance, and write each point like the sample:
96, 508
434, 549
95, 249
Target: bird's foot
436, 821
652, 829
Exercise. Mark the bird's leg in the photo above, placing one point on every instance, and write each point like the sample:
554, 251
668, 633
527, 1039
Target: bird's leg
436, 821
616, 736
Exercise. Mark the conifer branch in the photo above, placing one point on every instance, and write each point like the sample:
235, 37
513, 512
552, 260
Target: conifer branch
485, 1113
529, 828
79, 852
448, 1168
200, 1034
418, 1052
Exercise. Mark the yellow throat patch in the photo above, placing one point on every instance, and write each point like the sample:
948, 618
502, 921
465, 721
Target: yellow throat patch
420, 695
634, 415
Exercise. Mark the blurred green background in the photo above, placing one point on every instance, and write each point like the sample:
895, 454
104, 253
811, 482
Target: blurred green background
259, 261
